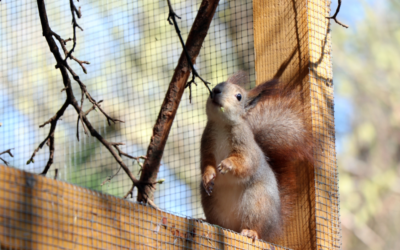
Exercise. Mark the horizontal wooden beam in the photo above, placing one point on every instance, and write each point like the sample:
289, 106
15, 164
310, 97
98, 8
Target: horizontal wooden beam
41, 213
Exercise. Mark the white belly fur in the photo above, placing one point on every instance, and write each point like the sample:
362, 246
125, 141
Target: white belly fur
227, 196
228, 190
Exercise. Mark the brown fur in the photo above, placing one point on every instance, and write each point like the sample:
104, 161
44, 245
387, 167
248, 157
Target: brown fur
250, 153
279, 126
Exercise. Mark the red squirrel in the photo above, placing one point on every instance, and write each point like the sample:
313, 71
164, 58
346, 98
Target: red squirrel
251, 148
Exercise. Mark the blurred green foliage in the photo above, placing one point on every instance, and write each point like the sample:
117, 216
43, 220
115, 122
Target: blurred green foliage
366, 60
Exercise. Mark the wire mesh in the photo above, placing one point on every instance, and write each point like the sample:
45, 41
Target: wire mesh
328, 229
132, 52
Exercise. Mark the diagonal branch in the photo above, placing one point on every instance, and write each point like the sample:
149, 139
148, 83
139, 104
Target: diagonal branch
172, 21
173, 96
336, 13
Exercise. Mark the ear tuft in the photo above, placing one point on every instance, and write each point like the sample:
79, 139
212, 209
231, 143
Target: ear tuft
252, 101
239, 78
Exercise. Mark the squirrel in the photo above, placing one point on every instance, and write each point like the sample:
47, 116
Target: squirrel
251, 149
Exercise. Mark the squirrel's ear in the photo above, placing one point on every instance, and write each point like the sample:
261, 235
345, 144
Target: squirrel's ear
251, 101
239, 78
262, 91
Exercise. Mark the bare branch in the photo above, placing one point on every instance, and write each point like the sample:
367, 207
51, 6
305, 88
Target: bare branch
8, 151
336, 13
64, 68
74, 26
85, 114
66, 52
121, 153
173, 96
49, 138
89, 97
5, 162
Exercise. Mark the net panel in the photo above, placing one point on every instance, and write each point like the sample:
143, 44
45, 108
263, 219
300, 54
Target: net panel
132, 51
328, 230
299, 30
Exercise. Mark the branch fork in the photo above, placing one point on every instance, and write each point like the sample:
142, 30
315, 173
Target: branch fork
335, 15
64, 68
8, 151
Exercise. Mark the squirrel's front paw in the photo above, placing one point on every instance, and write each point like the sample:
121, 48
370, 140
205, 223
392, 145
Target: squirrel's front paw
208, 182
225, 166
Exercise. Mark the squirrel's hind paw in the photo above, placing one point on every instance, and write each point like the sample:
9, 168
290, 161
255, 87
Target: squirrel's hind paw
250, 233
208, 182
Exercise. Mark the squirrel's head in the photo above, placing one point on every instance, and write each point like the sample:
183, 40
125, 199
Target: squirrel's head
229, 102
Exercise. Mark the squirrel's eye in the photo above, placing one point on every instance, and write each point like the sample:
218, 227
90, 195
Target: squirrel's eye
239, 97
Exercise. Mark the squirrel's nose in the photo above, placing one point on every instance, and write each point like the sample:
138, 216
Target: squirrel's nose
215, 91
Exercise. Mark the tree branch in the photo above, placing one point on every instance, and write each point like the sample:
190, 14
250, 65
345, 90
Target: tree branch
174, 94
64, 68
50, 138
336, 13
172, 21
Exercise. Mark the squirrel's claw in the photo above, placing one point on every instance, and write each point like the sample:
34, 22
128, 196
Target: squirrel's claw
225, 166
250, 233
208, 182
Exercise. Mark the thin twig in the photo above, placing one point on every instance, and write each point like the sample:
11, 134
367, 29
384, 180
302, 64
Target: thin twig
5, 162
121, 153
49, 138
75, 25
66, 52
147, 200
171, 16
336, 13
109, 178
79, 118
89, 97
56, 174
8, 151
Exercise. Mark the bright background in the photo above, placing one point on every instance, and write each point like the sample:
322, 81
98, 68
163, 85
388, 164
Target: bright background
366, 69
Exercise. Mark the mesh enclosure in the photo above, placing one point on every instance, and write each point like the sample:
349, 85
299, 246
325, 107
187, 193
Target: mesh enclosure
300, 29
133, 52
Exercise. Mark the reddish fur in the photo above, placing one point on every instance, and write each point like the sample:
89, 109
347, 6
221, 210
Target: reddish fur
242, 170
286, 157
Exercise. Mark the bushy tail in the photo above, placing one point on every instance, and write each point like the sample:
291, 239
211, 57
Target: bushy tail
280, 128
